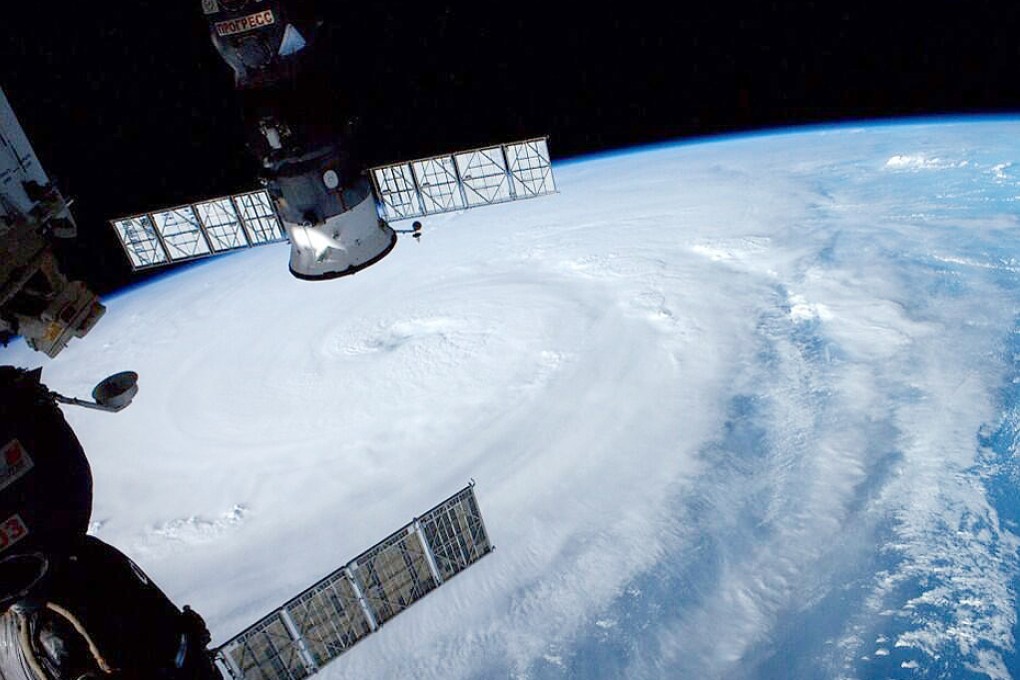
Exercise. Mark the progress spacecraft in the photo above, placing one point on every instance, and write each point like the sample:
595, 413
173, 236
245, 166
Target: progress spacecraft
297, 132
316, 194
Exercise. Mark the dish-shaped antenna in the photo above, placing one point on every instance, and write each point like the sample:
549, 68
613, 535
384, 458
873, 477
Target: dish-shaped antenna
111, 394
117, 391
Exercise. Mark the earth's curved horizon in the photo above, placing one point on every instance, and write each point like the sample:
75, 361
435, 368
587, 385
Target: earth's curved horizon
737, 407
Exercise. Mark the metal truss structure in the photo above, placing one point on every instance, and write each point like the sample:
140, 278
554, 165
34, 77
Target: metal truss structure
496, 174
324, 621
196, 230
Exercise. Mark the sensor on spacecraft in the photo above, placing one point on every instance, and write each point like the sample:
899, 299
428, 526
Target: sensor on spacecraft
111, 394
334, 214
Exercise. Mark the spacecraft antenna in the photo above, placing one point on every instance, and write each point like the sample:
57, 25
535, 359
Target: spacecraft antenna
112, 394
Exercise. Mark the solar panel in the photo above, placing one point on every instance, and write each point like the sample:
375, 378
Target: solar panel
326, 619
181, 233
222, 224
439, 184
455, 533
394, 574
397, 191
530, 168
483, 173
268, 651
140, 241
199, 229
259, 217
330, 617
465, 179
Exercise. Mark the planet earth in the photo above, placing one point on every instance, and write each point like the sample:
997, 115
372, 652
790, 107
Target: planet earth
744, 407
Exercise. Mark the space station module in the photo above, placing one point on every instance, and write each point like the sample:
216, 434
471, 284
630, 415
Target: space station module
36, 300
71, 606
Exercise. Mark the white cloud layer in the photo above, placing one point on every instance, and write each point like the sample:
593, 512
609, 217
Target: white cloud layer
757, 367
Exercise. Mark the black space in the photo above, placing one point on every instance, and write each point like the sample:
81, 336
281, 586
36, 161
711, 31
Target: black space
130, 108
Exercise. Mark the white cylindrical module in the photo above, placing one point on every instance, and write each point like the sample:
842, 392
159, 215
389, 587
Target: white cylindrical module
24, 185
36, 299
18, 163
342, 245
